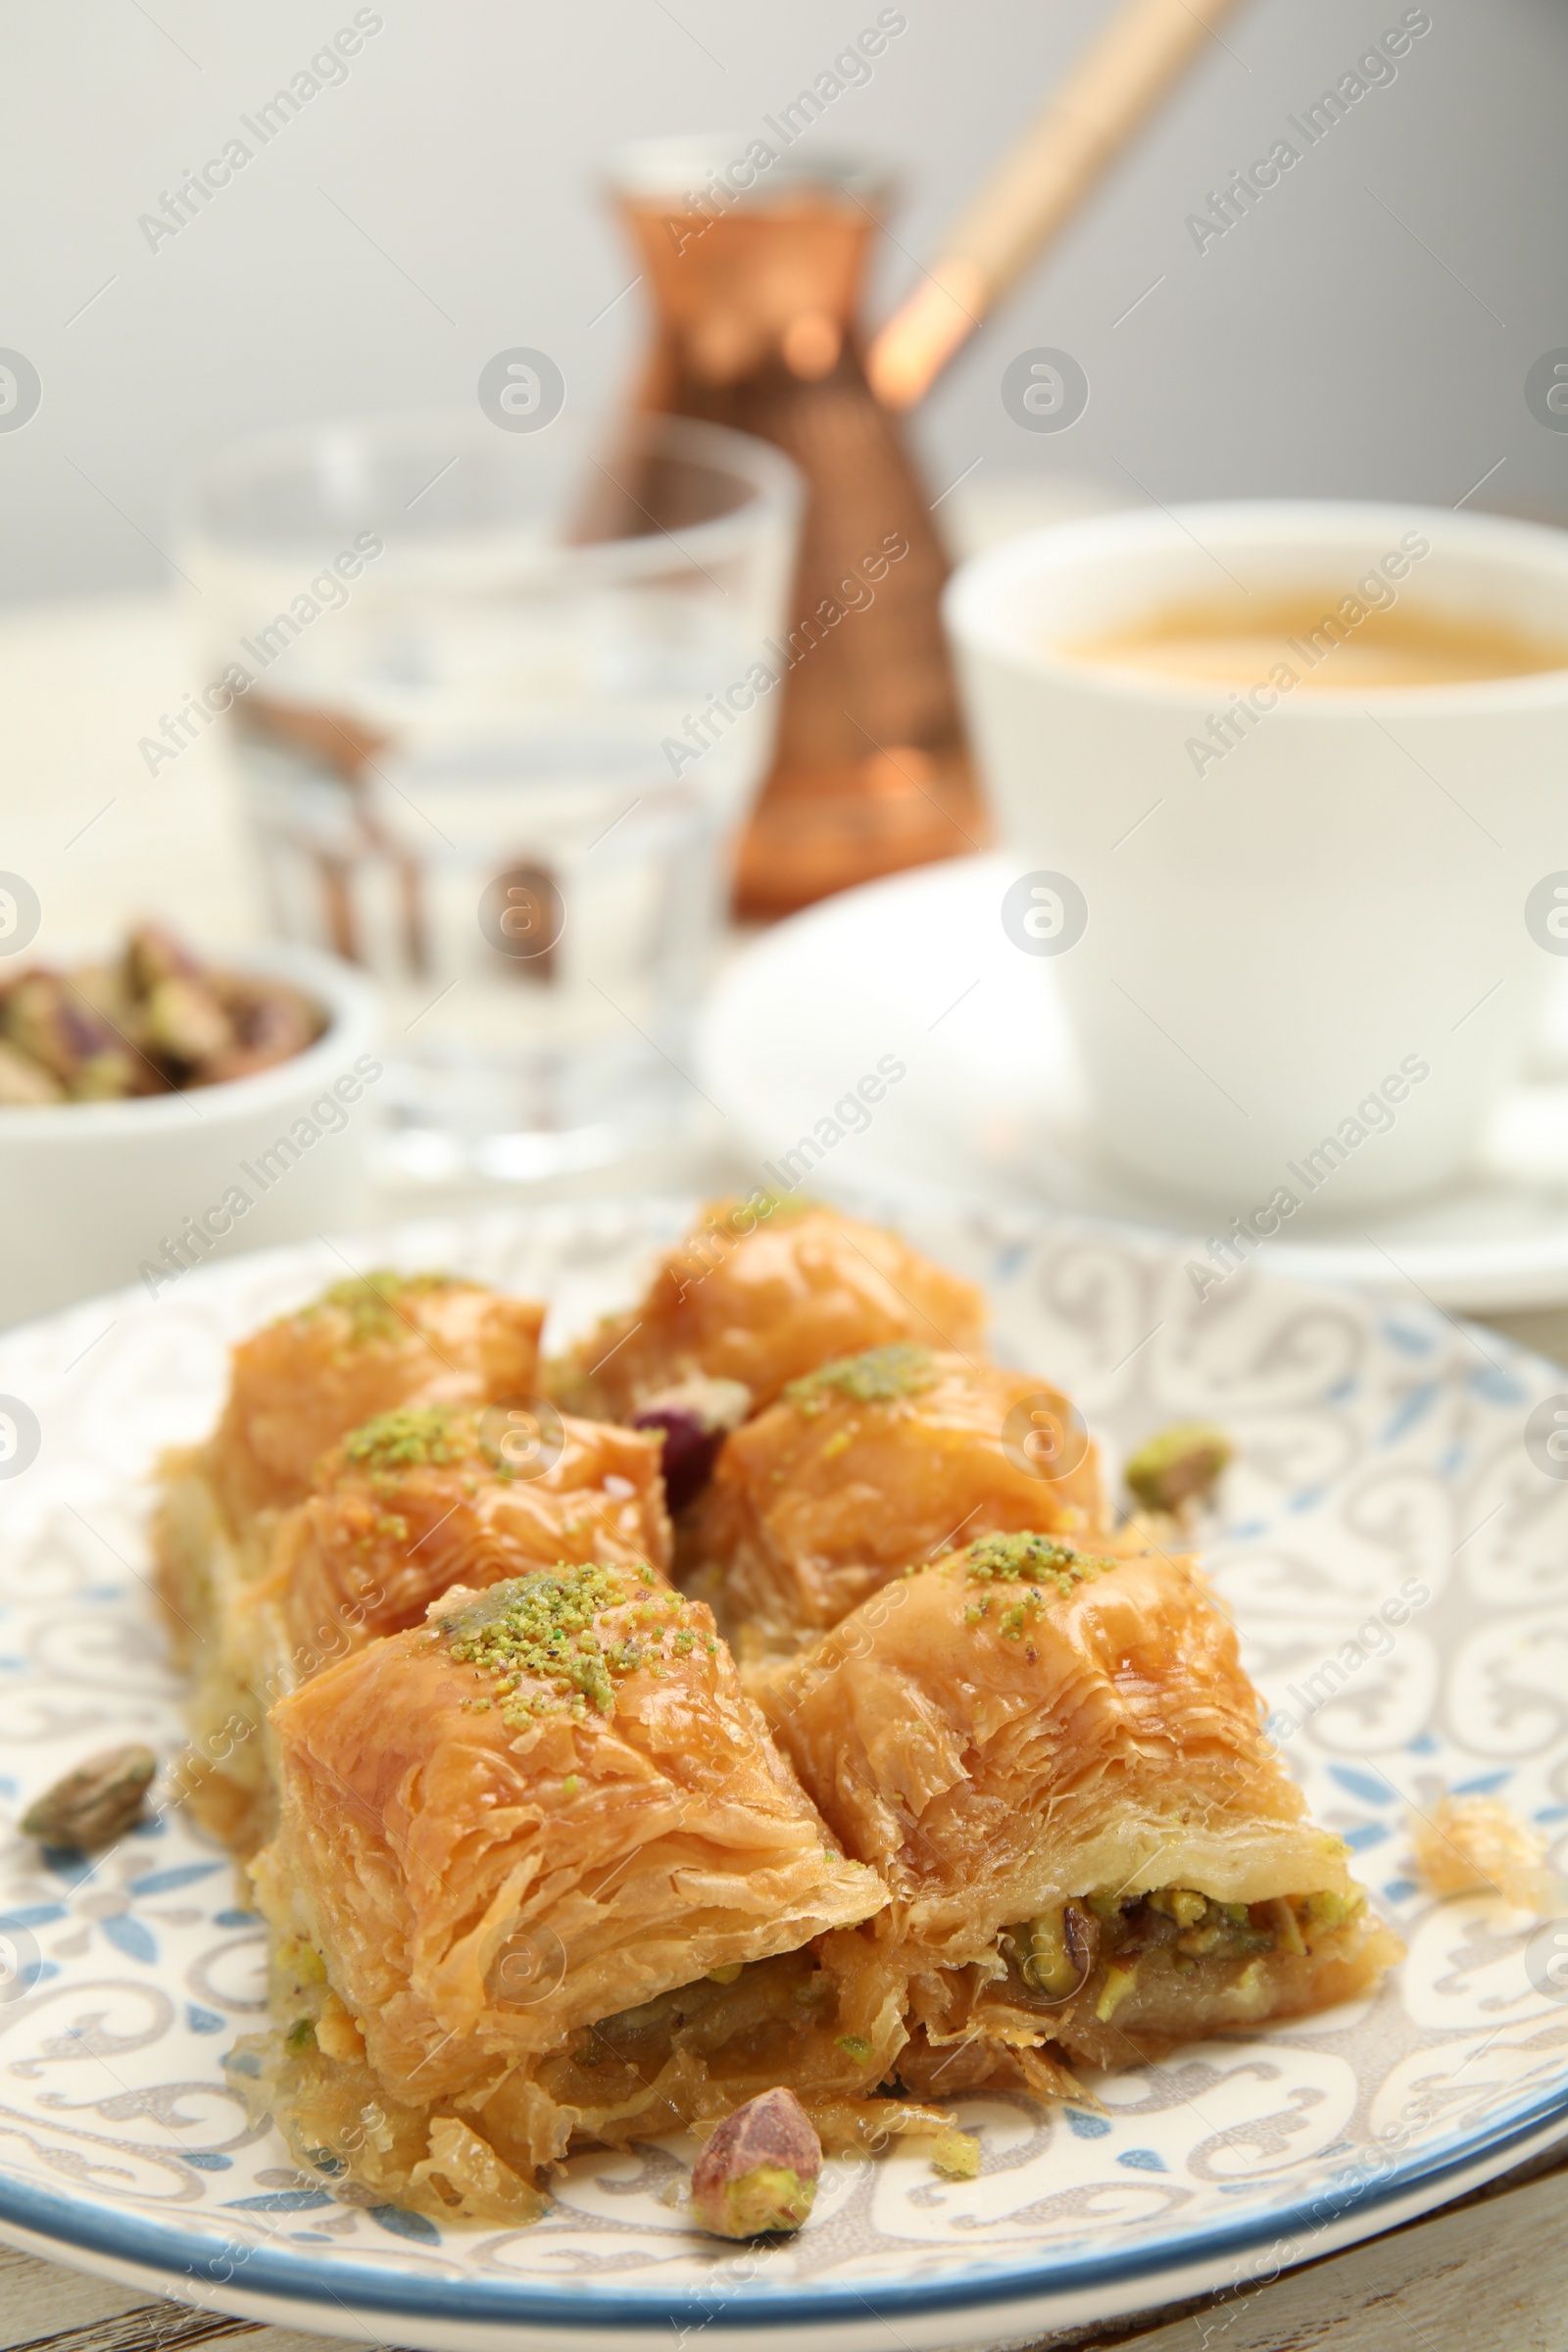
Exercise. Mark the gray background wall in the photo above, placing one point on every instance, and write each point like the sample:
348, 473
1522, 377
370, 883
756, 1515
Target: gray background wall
1366, 331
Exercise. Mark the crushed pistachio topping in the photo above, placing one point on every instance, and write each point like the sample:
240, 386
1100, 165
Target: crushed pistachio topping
1026, 1559
761, 1207
540, 1629
856, 2047
1031, 1561
406, 1438
372, 1301
876, 1376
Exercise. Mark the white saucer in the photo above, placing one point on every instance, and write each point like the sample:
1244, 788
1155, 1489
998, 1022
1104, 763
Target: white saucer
916, 971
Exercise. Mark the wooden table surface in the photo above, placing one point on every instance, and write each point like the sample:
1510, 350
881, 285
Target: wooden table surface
78, 686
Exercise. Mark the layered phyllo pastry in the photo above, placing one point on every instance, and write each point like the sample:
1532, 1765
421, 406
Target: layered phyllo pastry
759, 1292
417, 1500
870, 1464
1054, 1762
368, 1345
986, 1799
528, 1857
412, 1504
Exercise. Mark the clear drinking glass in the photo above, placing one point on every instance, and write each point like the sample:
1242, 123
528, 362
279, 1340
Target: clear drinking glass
490, 697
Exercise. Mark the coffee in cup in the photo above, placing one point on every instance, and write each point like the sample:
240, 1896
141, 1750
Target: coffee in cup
1336, 642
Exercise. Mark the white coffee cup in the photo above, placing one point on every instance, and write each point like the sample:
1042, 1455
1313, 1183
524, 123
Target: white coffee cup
1302, 940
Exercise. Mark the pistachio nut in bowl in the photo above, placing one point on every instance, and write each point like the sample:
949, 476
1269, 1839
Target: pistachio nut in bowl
151, 1119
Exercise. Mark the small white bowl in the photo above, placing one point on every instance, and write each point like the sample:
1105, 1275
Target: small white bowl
94, 1195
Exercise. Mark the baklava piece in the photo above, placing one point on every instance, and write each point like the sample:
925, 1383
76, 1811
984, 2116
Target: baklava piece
759, 1292
412, 1504
430, 1497
868, 1464
367, 1346
541, 1874
1054, 1761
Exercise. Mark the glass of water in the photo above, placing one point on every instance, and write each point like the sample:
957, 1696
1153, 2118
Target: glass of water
501, 697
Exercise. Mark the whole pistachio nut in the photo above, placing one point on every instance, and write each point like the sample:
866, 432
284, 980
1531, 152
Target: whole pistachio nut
152, 954
271, 1022
101, 987
45, 1018
760, 2169
38, 1024
1178, 1466
184, 1022
109, 1076
96, 1804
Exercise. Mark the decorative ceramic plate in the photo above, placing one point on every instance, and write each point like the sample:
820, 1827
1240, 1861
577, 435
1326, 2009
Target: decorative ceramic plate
990, 1108
1378, 1450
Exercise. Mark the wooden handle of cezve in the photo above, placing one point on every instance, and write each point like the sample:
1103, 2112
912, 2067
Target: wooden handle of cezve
1120, 80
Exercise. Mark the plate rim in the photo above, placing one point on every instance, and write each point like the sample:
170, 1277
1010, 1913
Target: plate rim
122, 2233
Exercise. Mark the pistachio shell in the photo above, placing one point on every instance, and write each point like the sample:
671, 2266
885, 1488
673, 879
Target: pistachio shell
23, 1082
96, 1804
1178, 1466
152, 954
760, 2169
184, 1021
